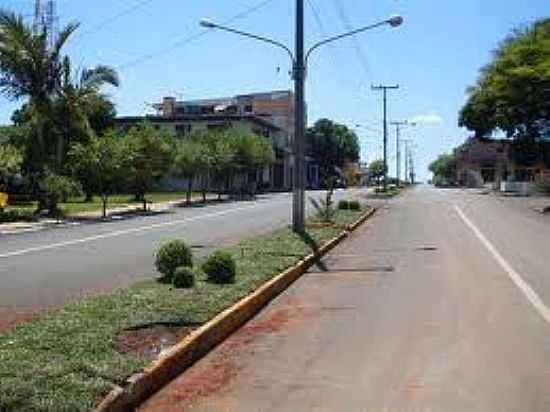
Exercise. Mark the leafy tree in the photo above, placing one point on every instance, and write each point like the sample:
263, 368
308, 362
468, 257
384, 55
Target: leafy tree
101, 164
252, 152
191, 161
222, 155
58, 188
513, 91
150, 158
10, 162
444, 167
377, 170
332, 145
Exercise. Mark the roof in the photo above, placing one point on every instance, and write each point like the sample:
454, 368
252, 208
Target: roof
228, 100
197, 118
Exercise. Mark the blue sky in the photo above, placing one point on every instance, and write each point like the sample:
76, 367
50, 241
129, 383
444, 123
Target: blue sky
433, 56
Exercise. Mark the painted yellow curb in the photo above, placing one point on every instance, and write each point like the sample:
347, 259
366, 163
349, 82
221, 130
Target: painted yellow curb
201, 341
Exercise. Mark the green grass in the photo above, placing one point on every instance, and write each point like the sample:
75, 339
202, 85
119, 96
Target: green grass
391, 191
78, 205
66, 360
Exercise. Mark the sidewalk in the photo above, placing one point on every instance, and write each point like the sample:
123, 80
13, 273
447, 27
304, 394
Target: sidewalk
75, 218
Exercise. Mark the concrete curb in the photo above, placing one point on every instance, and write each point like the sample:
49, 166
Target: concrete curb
184, 354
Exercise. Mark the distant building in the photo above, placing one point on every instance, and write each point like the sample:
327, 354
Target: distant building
269, 114
500, 163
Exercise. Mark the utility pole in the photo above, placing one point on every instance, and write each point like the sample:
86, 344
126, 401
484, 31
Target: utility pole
397, 150
407, 141
411, 163
398, 147
385, 88
299, 73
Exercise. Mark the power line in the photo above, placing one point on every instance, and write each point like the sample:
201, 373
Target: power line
356, 44
188, 39
114, 18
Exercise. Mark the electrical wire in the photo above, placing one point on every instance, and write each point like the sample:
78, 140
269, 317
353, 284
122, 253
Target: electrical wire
114, 18
190, 38
344, 18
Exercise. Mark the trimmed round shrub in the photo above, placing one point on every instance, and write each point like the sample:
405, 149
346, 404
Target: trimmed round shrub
343, 205
183, 277
354, 205
172, 255
220, 267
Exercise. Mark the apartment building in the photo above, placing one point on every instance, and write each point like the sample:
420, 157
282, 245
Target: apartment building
270, 114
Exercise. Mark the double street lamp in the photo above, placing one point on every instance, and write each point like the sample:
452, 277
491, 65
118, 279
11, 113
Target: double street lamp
299, 67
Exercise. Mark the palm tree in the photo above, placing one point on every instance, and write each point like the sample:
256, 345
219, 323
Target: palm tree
79, 97
32, 69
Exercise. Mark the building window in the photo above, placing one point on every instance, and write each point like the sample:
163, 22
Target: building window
248, 108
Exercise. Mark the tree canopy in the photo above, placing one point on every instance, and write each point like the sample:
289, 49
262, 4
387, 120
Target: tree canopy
512, 93
377, 169
10, 162
444, 167
332, 145
60, 106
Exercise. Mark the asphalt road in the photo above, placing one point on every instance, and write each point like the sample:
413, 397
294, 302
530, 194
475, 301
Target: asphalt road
439, 303
52, 267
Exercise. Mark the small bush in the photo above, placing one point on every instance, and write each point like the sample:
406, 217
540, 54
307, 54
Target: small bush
349, 205
183, 277
172, 255
354, 205
220, 267
343, 205
10, 216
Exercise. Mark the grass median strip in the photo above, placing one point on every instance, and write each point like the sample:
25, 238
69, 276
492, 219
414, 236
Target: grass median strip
68, 359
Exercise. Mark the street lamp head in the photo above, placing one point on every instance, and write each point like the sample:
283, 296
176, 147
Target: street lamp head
207, 23
395, 20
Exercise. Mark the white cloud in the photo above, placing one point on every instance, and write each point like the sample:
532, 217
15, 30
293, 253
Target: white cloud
430, 118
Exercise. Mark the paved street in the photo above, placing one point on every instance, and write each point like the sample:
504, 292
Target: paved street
49, 268
438, 303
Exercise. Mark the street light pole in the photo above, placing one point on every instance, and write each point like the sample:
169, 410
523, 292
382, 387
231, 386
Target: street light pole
299, 73
299, 68
385, 88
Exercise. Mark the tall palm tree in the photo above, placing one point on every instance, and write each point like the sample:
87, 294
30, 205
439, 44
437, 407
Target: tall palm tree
79, 95
31, 69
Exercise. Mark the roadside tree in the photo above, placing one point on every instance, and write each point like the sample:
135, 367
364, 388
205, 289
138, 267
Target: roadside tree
332, 145
191, 161
444, 169
513, 91
377, 170
150, 158
100, 163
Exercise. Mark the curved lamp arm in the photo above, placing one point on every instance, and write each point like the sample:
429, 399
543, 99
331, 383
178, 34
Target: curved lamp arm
211, 25
393, 21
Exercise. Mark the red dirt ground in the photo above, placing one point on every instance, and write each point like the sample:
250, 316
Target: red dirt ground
221, 366
10, 317
149, 342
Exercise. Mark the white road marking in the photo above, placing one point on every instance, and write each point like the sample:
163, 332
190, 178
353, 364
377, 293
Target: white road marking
527, 290
120, 233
